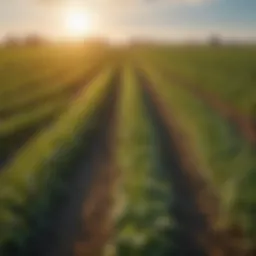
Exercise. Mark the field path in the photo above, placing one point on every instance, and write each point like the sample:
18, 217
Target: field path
245, 124
82, 224
195, 208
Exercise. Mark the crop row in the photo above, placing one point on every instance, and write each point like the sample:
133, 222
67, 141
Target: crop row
19, 83
52, 88
225, 160
33, 111
29, 184
228, 73
141, 213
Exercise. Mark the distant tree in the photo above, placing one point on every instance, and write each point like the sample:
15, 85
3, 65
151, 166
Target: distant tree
11, 41
34, 40
215, 40
96, 42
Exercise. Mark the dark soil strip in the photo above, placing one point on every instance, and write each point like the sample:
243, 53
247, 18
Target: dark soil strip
195, 208
243, 123
80, 222
11, 144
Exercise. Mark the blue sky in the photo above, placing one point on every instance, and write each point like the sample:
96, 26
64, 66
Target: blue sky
163, 19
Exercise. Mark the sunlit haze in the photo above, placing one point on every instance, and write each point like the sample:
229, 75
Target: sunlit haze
159, 19
78, 23
127, 127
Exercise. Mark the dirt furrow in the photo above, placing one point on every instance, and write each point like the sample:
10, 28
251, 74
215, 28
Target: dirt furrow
81, 222
195, 208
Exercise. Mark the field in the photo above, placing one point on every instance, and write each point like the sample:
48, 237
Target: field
143, 150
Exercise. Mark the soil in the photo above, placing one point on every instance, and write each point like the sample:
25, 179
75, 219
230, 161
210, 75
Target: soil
81, 225
195, 208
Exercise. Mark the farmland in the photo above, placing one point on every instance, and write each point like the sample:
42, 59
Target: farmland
128, 151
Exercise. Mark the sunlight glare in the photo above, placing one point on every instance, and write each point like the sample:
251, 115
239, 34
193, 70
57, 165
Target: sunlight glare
79, 23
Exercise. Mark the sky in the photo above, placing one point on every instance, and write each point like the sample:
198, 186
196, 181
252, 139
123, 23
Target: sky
123, 19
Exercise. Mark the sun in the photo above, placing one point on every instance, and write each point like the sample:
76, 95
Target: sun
78, 23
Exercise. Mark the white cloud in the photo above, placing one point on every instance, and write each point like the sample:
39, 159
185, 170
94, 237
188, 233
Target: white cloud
187, 1
179, 2
125, 3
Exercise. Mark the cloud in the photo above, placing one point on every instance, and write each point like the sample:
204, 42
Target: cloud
121, 2
180, 2
187, 1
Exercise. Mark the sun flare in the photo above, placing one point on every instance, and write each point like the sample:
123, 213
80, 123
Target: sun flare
79, 23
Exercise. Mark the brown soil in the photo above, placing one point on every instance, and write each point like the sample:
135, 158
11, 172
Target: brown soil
243, 123
81, 224
197, 205
97, 224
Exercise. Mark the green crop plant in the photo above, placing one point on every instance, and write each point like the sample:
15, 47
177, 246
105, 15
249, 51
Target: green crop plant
28, 184
142, 217
225, 160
